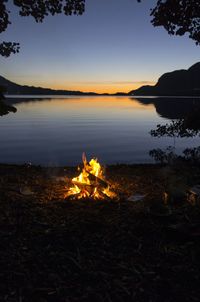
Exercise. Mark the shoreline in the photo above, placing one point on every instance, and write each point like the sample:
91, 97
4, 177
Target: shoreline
75, 166
35, 96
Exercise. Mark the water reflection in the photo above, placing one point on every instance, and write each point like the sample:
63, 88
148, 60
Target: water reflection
166, 107
55, 131
172, 108
184, 114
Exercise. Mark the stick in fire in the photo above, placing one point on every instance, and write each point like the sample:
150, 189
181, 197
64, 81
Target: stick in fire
90, 183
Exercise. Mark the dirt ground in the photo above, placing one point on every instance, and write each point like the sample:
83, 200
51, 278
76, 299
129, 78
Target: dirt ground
53, 249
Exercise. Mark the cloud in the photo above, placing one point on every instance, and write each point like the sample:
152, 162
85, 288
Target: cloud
115, 82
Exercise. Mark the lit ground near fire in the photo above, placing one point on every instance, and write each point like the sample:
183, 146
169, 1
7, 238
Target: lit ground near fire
56, 249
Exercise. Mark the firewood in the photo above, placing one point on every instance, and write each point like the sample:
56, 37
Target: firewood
98, 182
84, 185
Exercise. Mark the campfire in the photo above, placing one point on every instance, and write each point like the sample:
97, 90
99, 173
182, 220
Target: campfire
90, 183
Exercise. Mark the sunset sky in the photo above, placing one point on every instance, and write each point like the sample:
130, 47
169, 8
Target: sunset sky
112, 47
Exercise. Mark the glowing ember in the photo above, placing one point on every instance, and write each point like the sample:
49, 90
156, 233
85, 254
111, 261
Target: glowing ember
90, 183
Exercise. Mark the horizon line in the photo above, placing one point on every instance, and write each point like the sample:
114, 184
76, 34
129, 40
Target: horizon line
106, 86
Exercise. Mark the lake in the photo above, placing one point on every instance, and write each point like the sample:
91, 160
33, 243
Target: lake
56, 130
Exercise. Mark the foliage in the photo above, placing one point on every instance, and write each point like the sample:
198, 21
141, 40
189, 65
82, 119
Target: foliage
38, 9
189, 126
180, 128
166, 156
178, 17
192, 154
4, 108
6, 48
2, 91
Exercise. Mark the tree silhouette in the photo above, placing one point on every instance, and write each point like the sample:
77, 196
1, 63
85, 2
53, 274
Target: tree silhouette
178, 17
186, 127
38, 9
4, 108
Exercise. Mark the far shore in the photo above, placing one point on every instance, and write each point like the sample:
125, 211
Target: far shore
50, 96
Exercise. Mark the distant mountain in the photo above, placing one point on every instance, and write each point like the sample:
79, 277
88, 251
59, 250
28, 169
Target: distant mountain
175, 83
13, 88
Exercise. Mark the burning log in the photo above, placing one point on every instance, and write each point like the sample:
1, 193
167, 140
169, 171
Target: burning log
96, 181
90, 183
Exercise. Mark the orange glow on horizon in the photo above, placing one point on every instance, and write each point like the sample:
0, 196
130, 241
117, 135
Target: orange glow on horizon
102, 88
98, 87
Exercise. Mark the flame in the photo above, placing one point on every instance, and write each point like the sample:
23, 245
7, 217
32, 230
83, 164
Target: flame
91, 182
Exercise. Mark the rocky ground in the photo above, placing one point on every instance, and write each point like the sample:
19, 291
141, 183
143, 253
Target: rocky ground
141, 246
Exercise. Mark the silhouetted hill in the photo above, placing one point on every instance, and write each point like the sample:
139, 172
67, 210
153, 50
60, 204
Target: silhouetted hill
176, 83
13, 88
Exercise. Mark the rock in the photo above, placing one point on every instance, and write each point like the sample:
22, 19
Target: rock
26, 191
136, 197
193, 194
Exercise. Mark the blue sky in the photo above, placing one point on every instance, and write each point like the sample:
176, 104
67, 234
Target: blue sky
112, 47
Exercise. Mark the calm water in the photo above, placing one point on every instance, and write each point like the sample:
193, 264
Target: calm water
55, 131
